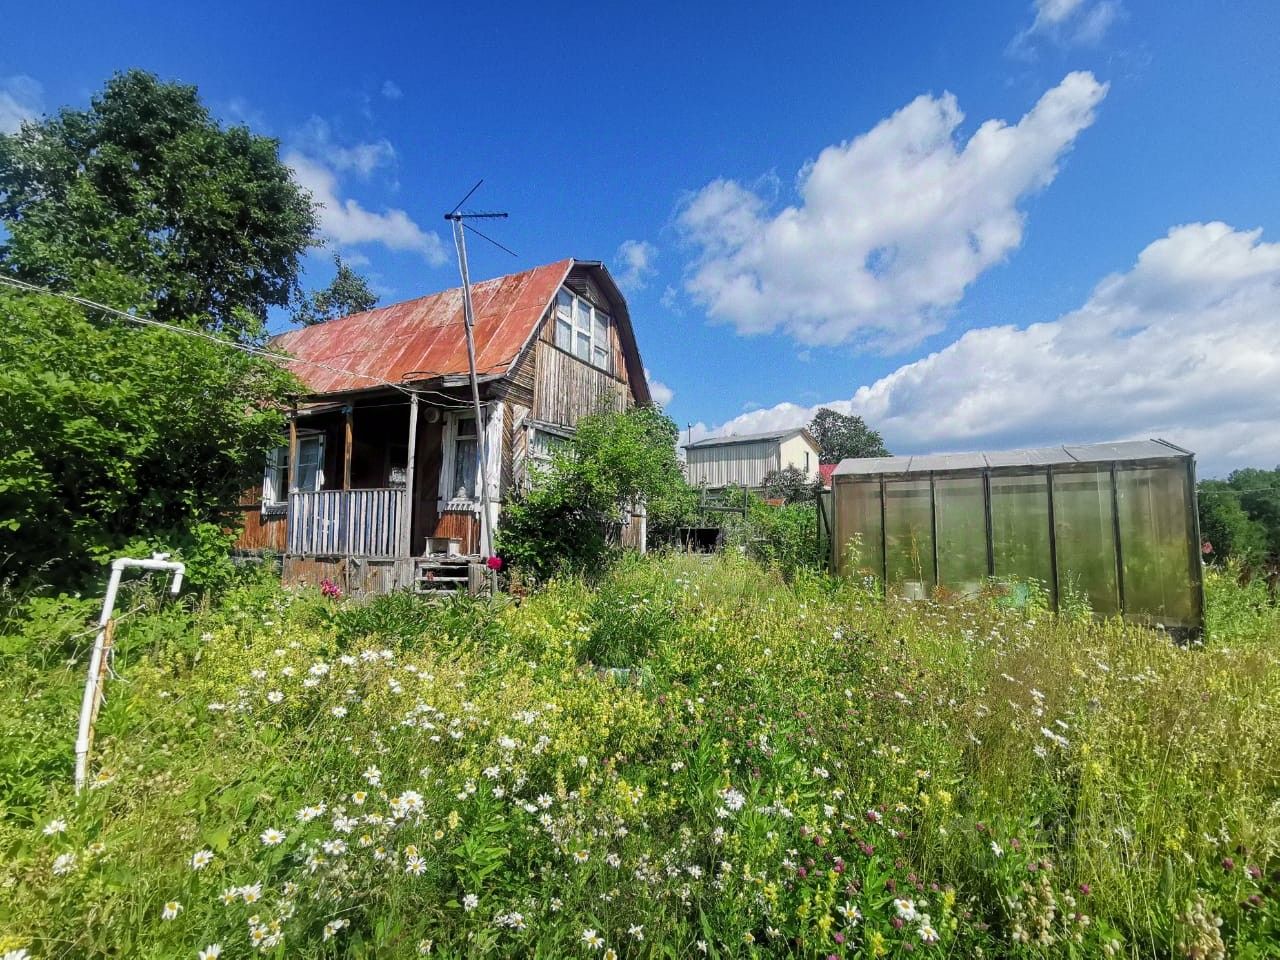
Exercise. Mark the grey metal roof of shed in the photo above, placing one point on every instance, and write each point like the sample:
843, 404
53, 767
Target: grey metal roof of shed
1067, 454
745, 438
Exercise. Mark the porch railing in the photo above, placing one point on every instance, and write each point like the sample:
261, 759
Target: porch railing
348, 523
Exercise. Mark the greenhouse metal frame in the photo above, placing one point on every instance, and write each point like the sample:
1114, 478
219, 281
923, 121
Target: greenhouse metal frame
1111, 524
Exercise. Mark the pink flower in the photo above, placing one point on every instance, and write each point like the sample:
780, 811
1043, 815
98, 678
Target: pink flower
494, 562
330, 589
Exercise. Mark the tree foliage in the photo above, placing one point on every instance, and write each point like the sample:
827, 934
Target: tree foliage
615, 460
348, 293
790, 484
147, 192
840, 436
117, 438
1240, 516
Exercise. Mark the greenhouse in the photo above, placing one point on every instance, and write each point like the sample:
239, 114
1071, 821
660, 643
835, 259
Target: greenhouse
1110, 524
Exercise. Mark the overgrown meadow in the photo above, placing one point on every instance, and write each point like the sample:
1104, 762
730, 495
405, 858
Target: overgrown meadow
683, 759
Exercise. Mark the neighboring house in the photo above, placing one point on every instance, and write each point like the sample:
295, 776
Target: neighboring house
358, 496
745, 460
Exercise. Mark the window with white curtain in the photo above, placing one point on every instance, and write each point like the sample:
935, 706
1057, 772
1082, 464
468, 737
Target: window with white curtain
310, 473
466, 455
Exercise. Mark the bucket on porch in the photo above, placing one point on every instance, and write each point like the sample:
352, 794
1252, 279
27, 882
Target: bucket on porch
449, 546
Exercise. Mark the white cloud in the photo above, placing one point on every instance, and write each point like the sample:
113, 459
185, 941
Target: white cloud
1183, 345
891, 226
661, 393
315, 138
21, 98
347, 223
1066, 23
635, 259
391, 90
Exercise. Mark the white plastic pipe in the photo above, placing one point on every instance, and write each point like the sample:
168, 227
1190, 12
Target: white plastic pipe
93, 683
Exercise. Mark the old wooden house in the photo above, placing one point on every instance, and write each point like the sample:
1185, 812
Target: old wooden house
377, 485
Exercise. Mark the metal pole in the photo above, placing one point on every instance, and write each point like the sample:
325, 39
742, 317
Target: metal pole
468, 319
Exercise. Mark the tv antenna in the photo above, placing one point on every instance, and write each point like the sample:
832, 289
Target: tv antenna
458, 218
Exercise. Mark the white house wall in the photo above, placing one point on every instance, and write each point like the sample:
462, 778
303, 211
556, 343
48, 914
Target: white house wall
793, 451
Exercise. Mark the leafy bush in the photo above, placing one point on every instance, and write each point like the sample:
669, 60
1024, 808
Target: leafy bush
116, 439
614, 461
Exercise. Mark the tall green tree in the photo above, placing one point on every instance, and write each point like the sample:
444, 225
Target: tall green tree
146, 194
841, 435
1240, 516
348, 293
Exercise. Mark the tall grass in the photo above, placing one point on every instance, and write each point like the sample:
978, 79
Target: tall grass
688, 758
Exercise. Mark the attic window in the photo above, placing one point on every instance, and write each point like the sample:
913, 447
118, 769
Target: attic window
583, 330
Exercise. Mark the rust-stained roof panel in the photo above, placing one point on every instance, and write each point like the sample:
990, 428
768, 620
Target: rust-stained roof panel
424, 338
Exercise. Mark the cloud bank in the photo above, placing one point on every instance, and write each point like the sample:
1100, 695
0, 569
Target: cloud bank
1182, 345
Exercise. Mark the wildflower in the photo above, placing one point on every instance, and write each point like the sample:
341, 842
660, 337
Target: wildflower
611, 954
702, 946
359, 797
229, 895
733, 799
424, 947
339, 712
850, 913
275, 696
873, 816
470, 902
212, 952
171, 910
592, 939
54, 827
20, 954
415, 865
374, 776
335, 848
928, 934
251, 894
272, 837
636, 931
333, 926
906, 910
64, 864
581, 856
997, 849
201, 859
96, 849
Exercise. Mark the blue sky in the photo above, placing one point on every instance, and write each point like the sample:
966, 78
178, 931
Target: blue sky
1032, 223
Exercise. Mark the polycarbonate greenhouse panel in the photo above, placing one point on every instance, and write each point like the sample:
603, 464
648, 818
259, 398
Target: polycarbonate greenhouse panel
962, 533
1154, 536
1086, 541
908, 540
1020, 528
858, 516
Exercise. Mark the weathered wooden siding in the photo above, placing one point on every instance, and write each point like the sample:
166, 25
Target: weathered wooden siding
356, 576
261, 532
737, 464
462, 524
567, 389
352, 523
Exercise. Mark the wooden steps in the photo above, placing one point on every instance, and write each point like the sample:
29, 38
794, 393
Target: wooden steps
443, 575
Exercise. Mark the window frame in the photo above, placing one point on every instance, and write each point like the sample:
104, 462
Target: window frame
449, 462
578, 318
278, 464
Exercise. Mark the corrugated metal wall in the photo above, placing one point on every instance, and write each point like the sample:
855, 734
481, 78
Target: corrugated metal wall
738, 464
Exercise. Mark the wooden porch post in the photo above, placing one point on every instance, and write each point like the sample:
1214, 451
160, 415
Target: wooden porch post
406, 517
346, 448
293, 449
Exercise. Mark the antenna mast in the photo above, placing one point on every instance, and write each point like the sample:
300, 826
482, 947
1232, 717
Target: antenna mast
458, 219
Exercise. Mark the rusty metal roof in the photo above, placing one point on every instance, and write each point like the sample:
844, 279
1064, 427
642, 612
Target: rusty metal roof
424, 339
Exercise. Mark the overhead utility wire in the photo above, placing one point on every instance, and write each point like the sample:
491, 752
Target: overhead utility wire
201, 334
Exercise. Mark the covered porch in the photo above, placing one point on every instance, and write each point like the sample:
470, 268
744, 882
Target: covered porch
381, 492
